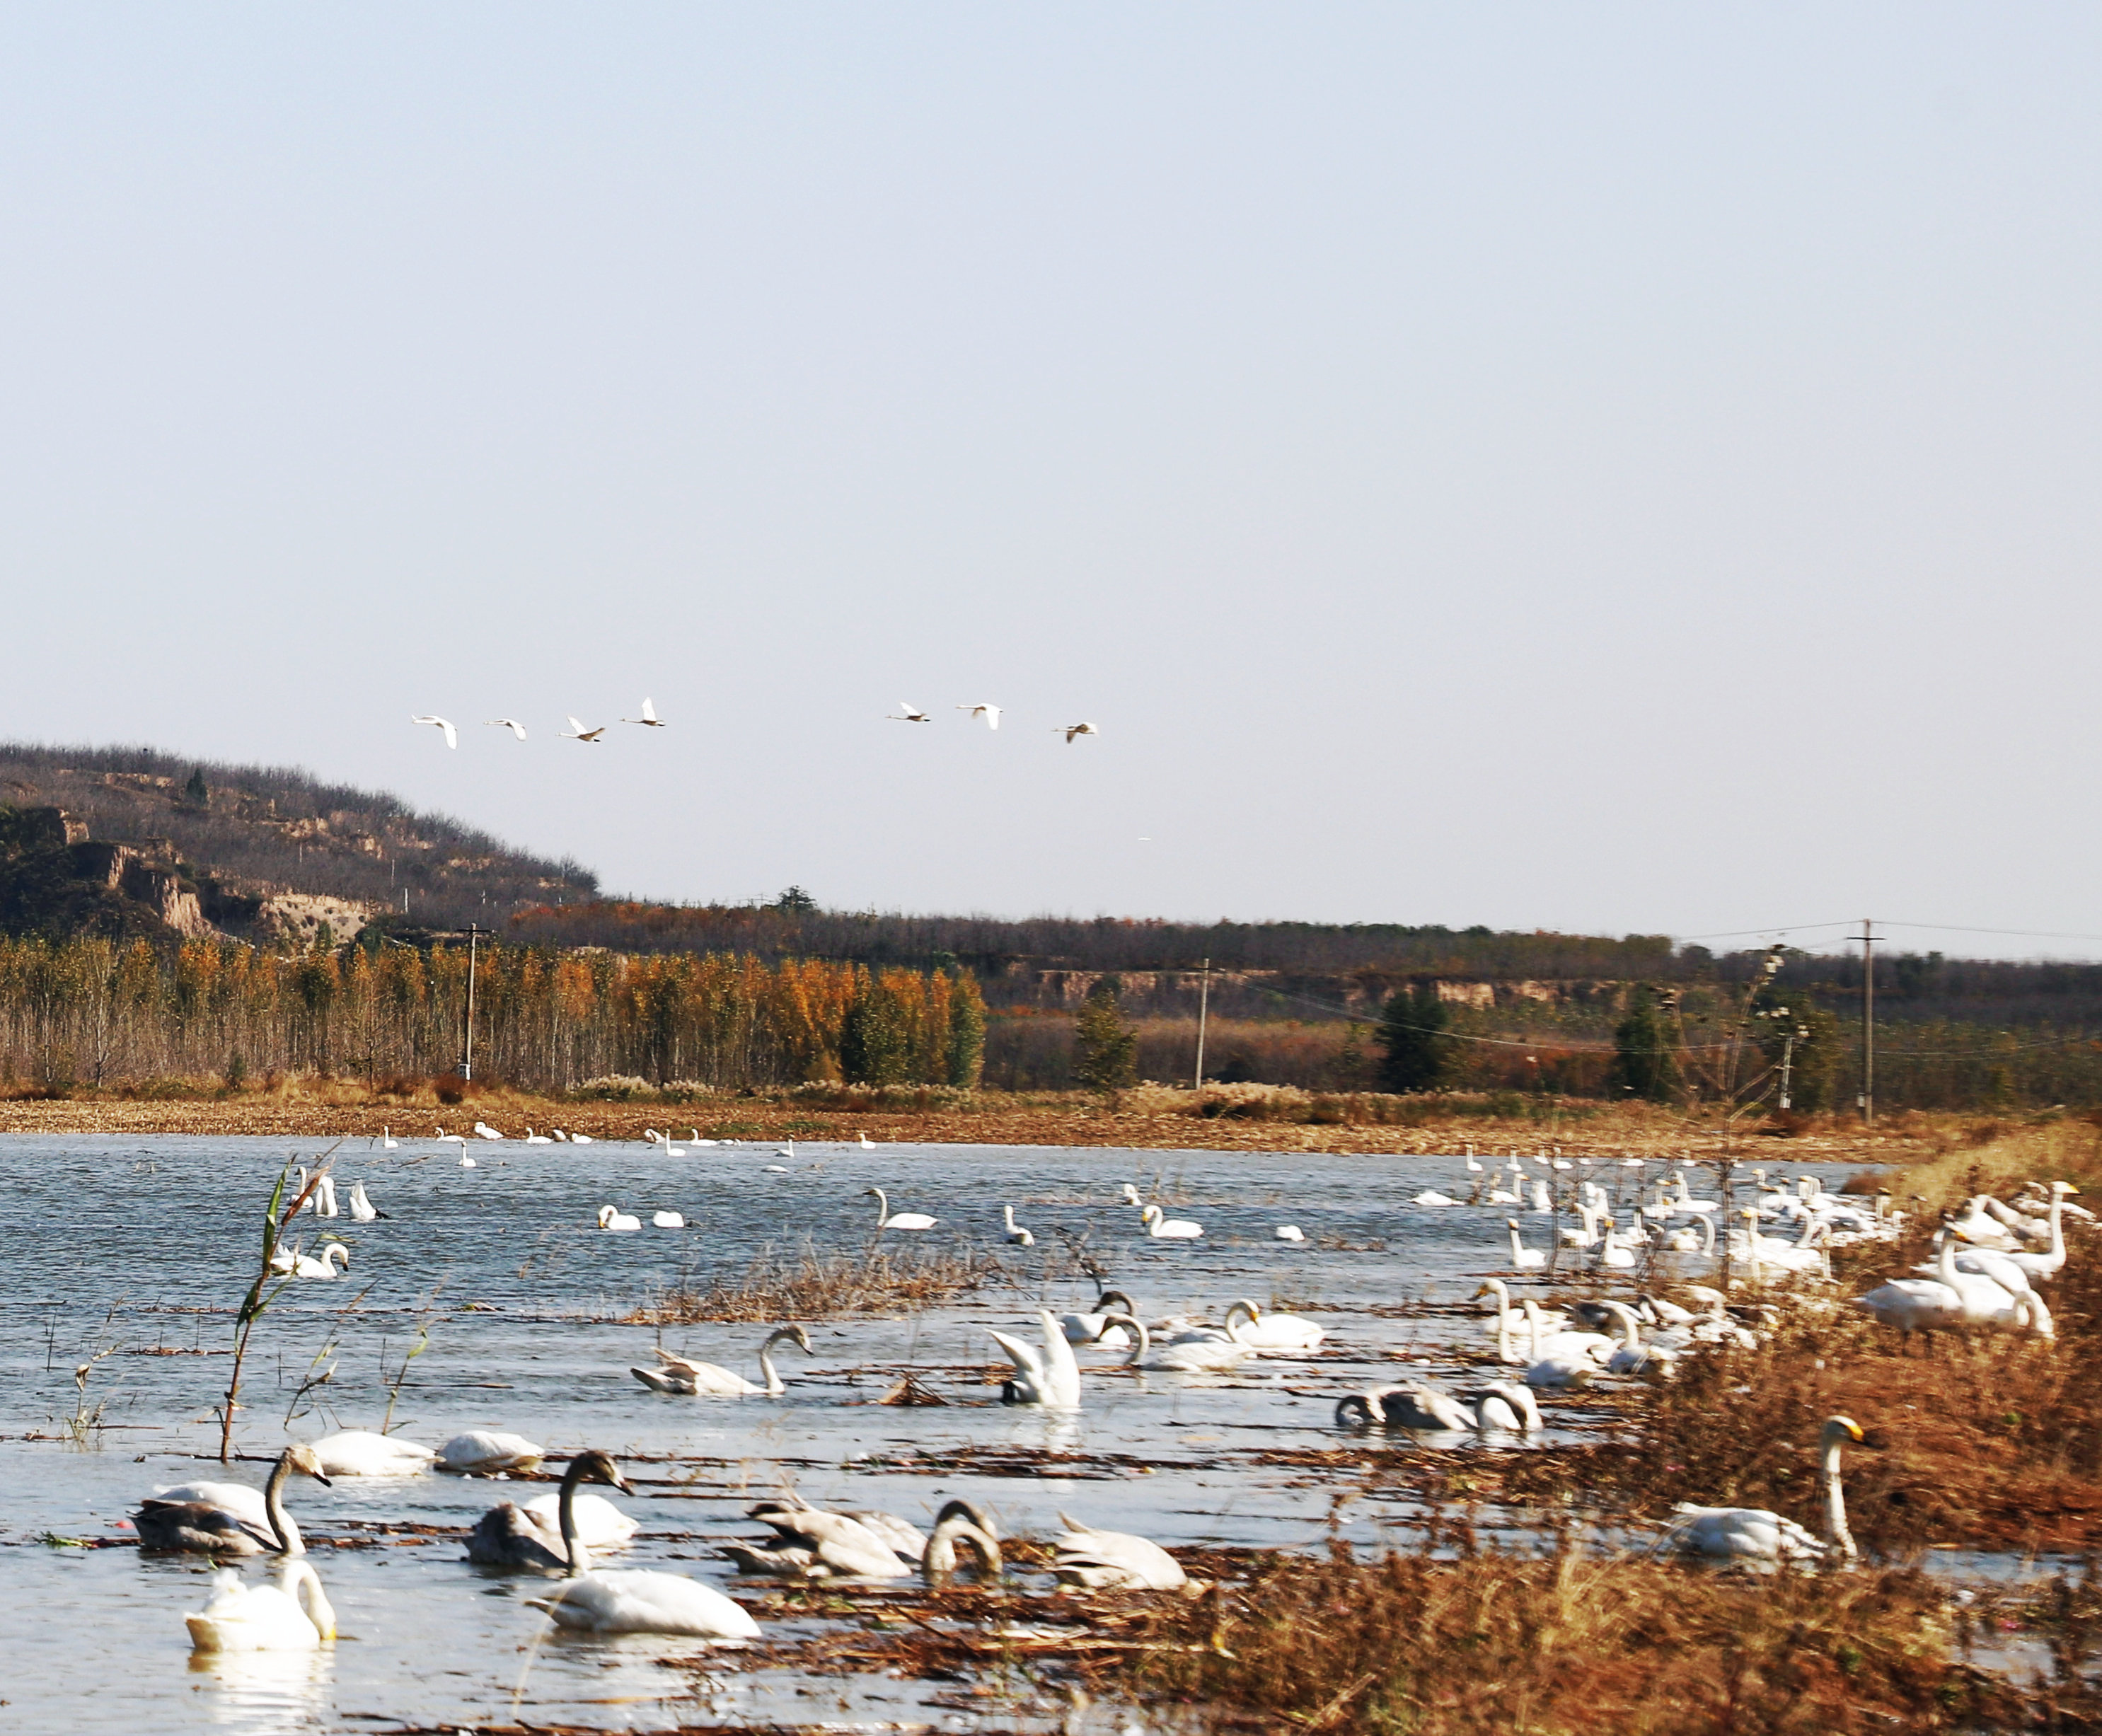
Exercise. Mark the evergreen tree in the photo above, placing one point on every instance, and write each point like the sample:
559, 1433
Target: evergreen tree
1414, 1033
875, 1046
195, 789
1813, 1072
1105, 1048
966, 1056
1643, 1064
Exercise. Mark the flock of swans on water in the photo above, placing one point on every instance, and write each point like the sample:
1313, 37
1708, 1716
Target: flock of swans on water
1988, 1264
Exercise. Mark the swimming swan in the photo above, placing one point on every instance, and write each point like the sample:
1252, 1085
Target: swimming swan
199, 1528
632, 1601
1523, 1259
1016, 1234
885, 1219
305, 1265
292, 1616
1422, 1408
676, 1374
1246, 1324
1183, 1356
611, 1217
1754, 1534
357, 1452
809, 1542
1169, 1229
483, 1452
509, 1535
1113, 1561
362, 1210
1050, 1378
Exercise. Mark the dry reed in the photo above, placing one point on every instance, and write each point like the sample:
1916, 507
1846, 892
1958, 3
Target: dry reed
810, 1284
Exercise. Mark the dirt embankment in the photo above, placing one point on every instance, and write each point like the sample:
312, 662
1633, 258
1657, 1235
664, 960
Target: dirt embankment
329, 1110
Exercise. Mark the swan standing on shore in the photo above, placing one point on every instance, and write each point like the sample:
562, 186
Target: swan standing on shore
885, 1219
676, 1374
632, 1601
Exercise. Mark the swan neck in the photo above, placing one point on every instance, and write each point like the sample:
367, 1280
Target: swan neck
282, 1524
1142, 1340
770, 1375
1835, 1499
573, 1545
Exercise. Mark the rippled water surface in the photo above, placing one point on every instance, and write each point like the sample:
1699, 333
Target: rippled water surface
141, 1247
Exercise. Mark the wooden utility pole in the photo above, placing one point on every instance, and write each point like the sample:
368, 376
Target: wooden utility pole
1868, 1023
473, 937
1204, 1008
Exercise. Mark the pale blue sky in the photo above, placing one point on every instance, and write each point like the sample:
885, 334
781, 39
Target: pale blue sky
1606, 468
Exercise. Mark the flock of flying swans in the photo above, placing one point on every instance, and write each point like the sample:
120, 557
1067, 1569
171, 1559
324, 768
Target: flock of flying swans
576, 731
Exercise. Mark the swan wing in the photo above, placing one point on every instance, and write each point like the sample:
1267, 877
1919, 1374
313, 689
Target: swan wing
1027, 1362
1061, 1369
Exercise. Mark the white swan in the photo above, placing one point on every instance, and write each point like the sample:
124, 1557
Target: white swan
540, 1139
1246, 1324
291, 1616
667, 1220
1698, 1238
362, 1210
388, 1142
483, 1130
886, 1219
324, 1201
1169, 1229
1050, 1378
483, 1452
243, 1500
1611, 1253
195, 1527
358, 1452
1186, 1355
810, 1542
1432, 1197
611, 1217
1289, 1233
1561, 1362
676, 1374
632, 1601
1016, 1234
305, 1265
582, 1138
1523, 1259
1754, 1534
1113, 1561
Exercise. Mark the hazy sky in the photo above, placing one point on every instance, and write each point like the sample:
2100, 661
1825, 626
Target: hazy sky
1598, 467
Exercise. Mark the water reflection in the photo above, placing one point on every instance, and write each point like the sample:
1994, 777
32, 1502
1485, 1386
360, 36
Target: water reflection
267, 1691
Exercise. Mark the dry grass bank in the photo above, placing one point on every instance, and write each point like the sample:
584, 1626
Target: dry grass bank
1220, 1118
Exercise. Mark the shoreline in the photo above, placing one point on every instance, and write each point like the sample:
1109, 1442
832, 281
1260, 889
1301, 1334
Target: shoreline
1081, 1121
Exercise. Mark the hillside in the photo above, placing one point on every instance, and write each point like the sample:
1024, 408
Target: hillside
264, 853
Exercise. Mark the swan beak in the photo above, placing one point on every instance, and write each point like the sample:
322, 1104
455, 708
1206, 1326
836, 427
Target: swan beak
324, 1482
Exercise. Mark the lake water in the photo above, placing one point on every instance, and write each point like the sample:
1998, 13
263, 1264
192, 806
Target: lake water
140, 1247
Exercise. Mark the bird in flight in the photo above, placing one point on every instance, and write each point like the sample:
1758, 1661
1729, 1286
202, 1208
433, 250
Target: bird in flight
913, 714
452, 735
1071, 730
511, 723
577, 733
649, 717
990, 713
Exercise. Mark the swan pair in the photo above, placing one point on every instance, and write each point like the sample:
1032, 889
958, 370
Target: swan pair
1197, 1353
676, 1374
1954, 1300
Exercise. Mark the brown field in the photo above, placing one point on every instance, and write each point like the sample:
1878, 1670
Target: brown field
1221, 1118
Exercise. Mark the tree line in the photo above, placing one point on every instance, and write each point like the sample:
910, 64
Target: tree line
94, 1013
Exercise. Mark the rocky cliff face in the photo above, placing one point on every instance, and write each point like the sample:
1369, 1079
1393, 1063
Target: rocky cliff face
57, 882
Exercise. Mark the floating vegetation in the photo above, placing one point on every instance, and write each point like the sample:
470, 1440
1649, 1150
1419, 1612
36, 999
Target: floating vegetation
811, 1284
